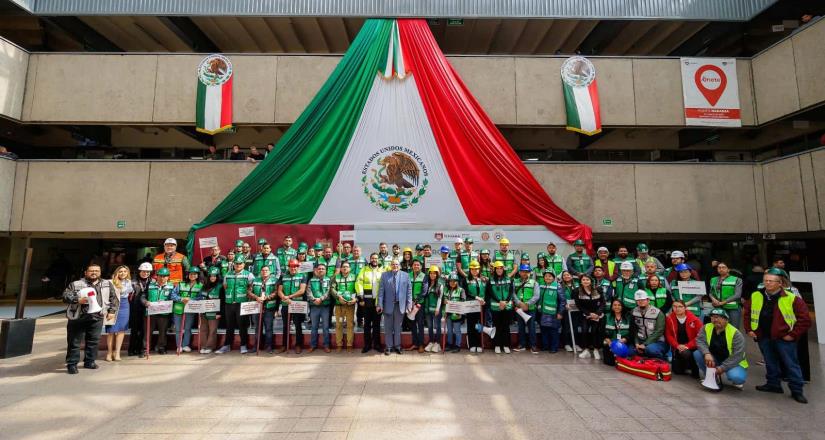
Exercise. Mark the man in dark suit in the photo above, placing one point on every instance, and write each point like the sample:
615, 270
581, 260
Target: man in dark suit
394, 300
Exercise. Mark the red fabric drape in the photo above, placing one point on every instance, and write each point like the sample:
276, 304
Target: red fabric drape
498, 189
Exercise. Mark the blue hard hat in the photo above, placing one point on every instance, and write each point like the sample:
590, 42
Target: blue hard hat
444, 249
682, 266
619, 348
524, 267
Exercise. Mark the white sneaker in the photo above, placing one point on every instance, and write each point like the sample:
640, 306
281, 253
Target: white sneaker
479, 349
244, 349
584, 354
436, 348
429, 347
596, 354
206, 350
224, 349
498, 350
472, 349
738, 386
568, 348
186, 349
579, 348
507, 350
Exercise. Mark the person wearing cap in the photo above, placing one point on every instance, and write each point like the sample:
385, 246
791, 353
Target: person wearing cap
215, 259
238, 249
726, 293
455, 254
486, 264
160, 289
261, 242
776, 319
552, 307
650, 327
83, 326
407, 259
568, 286
721, 346
367, 284
236, 284
137, 311
609, 267
525, 297
589, 299
671, 273
292, 286
394, 300
540, 267
286, 252
419, 254
681, 328
605, 284
618, 325
476, 287
265, 291
658, 294
456, 294
555, 261
208, 327
343, 290
170, 258
465, 257
229, 264
268, 259
432, 299
643, 256
692, 302
187, 291
622, 256
419, 285
525, 259
500, 298
318, 293
507, 257
303, 254
626, 285
312, 253
447, 263
579, 262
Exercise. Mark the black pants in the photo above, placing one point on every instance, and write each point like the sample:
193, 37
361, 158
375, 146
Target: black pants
501, 320
590, 334
161, 324
137, 324
473, 336
296, 319
372, 325
683, 361
608, 358
87, 328
234, 322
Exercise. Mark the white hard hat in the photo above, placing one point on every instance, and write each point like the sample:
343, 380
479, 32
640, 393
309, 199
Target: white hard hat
640, 294
170, 241
677, 254
145, 267
459, 240
602, 249
626, 265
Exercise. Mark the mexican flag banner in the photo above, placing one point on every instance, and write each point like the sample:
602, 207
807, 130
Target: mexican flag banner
213, 108
581, 96
394, 137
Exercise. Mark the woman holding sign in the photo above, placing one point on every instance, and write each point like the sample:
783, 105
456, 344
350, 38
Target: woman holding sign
208, 326
188, 290
692, 302
454, 294
476, 288
292, 287
500, 297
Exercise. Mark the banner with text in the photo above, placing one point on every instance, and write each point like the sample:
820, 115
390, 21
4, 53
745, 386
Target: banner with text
711, 92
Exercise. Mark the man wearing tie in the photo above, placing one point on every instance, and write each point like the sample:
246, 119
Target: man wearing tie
394, 300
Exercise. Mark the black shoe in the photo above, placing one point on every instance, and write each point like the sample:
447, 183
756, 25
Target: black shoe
799, 397
769, 389
161, 351
456, 350
90, 366
398, 351
387, 352
365, 350
251, 351
142, 354
71, 369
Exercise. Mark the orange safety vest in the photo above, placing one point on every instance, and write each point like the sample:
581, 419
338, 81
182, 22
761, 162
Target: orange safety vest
175, 266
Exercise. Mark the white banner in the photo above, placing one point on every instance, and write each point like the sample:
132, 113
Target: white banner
250, 308
711, 92
454, 307
692, 288
207, 242
571, 305
248, 231
346, 236
159, 307
306, 266
203, 306
299, 307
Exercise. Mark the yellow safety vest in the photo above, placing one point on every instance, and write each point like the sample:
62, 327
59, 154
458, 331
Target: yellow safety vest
785, 307
729, 332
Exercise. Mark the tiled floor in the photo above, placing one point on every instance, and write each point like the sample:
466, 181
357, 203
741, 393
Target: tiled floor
322, 396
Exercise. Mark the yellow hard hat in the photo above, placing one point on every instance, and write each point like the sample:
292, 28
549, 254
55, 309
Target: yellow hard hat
435, 268
474, 265
504, 241
406, 249
498, 264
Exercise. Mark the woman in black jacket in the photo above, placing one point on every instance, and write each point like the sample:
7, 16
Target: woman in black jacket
590, 302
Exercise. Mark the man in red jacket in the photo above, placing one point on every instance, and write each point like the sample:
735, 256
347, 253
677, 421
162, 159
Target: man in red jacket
681, 328
776, 318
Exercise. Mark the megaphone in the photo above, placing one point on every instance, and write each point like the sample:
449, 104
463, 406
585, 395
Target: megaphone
91, 294
489, 331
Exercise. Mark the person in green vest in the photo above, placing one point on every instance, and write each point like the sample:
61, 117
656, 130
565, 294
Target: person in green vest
159, 290
419, 254
524, 258
303, 254
692, 302
208, 328
525, 297
540, 268
418, 281
236, 284
650, 271
507, 257
609, 267
659, 296
318, 293
476, 288
626, 285
605, 284
721, 346
552, 307
500, 298
726, 293
313, 251
622, 256
264, 291
186, 291
777, 318
268, 259
555, 261
618, 325
432, 295
345, 254
238, 248
292, 287
228, 265
465, 257
329, 260
261, 242
568, 286
367, 284
643, 256
407, 259
343, 290
486, 264
447, 262
455, 253
357, 261
579, 262
650, 327
453, 294
286, 253
249, 257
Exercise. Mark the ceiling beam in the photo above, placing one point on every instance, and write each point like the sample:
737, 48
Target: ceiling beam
83, 33
185, 29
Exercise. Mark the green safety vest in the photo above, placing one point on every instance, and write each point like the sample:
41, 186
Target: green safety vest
606, 285
319, 287
785, 305
616, 330
659, 297
466, 257
455, 295
549, 298
186, 290
729, 333
330, 264
432, 294
728, 290
236, 286
501, 289
345, 286
524, 291
641, 263
292, 283
475, 288
485, 270
507, 258
447, 266
454, 255
214, 293
643, 281
632, 261
268, 288
611, 266
226, 266
356, 264
261, 261
555, 263
626, 291
417, 282
155, 293
284, 255
580, 262
674, 291
249, 261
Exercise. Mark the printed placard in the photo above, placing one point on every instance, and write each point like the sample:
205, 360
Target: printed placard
248, 231
203, 306
207, 242
711, 92
571, 305
306, 267
692, 288
454, 307
250, 308
298, 307
472, 306
159, 307
346, 236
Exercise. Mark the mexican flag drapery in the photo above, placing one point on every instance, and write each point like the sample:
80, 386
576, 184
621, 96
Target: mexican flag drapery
213, 104
394, 137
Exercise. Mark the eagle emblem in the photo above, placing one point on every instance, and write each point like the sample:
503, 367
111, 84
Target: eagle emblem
214, 70
394, 180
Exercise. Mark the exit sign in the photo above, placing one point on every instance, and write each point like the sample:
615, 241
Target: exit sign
121, 224
607, 221
455, 22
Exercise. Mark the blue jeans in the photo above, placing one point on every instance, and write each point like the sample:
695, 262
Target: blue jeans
736, 375
434, 324
319, 316
525, 329
657, 350
781, 356
550, 338
269, 318
454, 333
418, 329
187, 329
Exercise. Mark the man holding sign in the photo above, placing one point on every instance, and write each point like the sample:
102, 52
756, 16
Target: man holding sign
264, 291
84, 322
343, 290
318, 294
237, 284
291, 287
158, 291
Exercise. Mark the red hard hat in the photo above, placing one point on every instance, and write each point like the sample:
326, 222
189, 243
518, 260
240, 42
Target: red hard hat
294, 263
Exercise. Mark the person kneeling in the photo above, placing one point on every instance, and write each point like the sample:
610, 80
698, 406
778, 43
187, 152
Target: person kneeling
722, 347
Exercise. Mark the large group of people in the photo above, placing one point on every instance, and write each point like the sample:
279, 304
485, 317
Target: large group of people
579, 303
